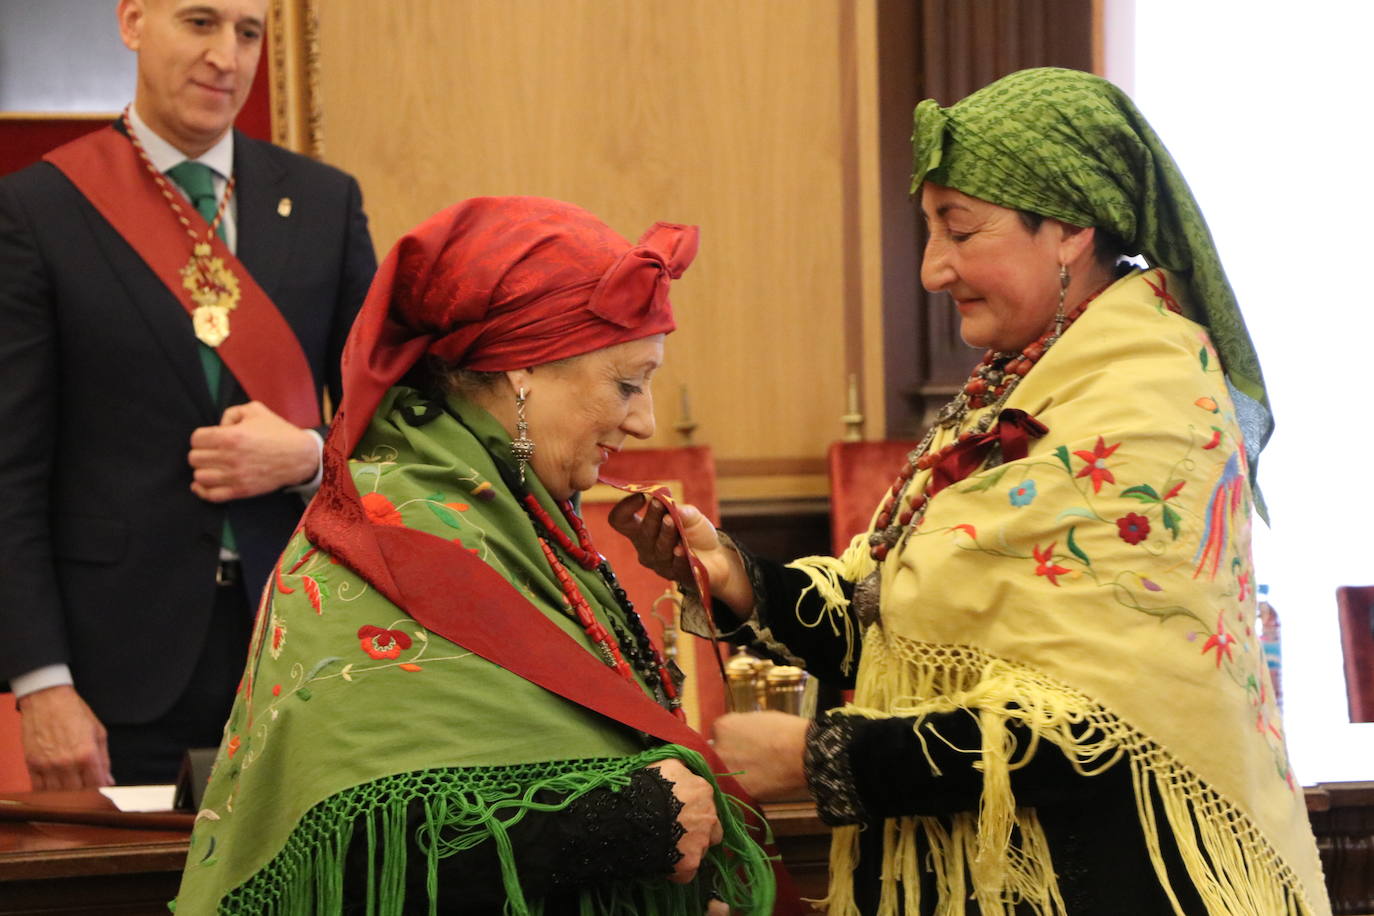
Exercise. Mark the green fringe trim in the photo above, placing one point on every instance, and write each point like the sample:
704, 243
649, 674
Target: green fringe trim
470, 805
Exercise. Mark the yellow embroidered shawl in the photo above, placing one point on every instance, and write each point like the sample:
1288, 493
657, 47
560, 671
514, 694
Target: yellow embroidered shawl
1104, 578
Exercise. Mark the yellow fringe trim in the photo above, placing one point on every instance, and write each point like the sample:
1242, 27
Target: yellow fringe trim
1234, 870
827, 575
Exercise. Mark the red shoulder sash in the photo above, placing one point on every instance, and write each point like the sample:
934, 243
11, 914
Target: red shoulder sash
262, 352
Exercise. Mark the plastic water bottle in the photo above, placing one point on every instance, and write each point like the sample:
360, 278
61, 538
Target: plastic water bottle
1269, 641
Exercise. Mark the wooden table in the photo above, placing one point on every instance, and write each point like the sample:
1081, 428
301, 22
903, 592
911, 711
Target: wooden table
54, 868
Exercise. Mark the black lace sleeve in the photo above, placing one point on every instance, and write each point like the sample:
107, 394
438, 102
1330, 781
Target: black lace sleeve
859, 769
603, 836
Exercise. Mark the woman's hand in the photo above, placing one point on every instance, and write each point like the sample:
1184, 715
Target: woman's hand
650, 528
697, 817
766, 750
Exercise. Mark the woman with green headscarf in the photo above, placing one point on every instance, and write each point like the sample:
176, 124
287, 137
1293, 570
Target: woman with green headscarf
1060, 705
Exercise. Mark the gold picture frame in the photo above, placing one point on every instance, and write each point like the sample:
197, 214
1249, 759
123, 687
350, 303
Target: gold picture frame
294, 76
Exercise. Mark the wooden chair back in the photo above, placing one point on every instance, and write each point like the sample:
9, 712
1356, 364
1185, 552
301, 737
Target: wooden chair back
860, 475
14, 775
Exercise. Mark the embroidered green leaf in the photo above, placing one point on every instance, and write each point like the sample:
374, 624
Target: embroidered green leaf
1171, 519
1077, 511
303, 693
1075, 549
985, 482
444, 515
1143, 492
1202, 358
309, 675
1062, 453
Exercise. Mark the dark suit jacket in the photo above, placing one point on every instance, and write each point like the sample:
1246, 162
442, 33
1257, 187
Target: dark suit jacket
107, 560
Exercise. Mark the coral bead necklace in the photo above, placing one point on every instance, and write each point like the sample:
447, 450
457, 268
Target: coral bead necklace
643, 655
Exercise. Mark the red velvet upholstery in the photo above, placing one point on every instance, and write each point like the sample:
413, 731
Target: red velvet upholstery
860, 474
14, 776
690, 474
1356, 605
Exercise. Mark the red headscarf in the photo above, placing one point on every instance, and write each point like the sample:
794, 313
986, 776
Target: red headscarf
497, 283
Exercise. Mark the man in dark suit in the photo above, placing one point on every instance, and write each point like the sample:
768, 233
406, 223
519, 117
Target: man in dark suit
148, 479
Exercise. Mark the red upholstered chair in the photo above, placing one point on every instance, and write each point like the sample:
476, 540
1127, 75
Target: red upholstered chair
14, 776
1356, 605
690, 475
860, 474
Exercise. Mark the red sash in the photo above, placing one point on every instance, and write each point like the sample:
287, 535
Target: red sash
452, 593
262, 352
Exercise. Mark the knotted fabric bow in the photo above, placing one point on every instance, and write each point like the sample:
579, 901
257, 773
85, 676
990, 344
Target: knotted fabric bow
635, 287
1013, 432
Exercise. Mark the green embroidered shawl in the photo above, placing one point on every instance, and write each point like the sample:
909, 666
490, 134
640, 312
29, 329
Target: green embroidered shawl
350, 708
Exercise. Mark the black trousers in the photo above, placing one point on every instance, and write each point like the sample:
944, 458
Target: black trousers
150, 753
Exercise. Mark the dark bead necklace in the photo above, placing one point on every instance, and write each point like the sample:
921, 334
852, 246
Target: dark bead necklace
626, 652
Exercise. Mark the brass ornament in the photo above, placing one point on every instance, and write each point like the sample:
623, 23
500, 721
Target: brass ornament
215, 291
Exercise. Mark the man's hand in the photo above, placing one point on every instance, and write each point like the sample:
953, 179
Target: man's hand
64, 743
766, 749
697, 817
253, 451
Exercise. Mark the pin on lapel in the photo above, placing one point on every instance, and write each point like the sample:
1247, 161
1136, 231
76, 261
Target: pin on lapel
284, 207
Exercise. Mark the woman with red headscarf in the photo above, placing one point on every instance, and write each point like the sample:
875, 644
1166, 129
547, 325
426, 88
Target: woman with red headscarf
449, 704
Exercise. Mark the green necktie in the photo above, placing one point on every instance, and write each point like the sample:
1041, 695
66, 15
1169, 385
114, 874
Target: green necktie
198, 181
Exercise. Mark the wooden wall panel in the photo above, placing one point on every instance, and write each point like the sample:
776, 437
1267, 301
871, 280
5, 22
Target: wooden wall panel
740, 115
964, 45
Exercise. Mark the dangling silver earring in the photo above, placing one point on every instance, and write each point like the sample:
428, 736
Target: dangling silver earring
1063, 290
522, 447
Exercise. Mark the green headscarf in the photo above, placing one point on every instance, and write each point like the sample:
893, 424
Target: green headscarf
1072, 146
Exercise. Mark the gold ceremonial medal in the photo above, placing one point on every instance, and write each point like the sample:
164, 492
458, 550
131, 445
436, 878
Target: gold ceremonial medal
215, 290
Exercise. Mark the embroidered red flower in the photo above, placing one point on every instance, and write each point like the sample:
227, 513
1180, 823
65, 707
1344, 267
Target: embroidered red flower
381, 511
382, 643
233, 747
1221, 641
1133, 528
1096, 463
1046, 566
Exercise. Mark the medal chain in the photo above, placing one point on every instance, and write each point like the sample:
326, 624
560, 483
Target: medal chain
172, 197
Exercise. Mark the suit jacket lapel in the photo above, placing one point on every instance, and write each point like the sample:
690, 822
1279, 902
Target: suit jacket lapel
165, 317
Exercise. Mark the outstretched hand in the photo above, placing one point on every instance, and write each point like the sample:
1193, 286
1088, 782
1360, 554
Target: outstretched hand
658, 543
697, 817
252, 451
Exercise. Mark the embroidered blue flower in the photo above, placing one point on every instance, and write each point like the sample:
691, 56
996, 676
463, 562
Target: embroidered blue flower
1022, 494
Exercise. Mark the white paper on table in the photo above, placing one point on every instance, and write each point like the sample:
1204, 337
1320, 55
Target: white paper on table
140, 798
